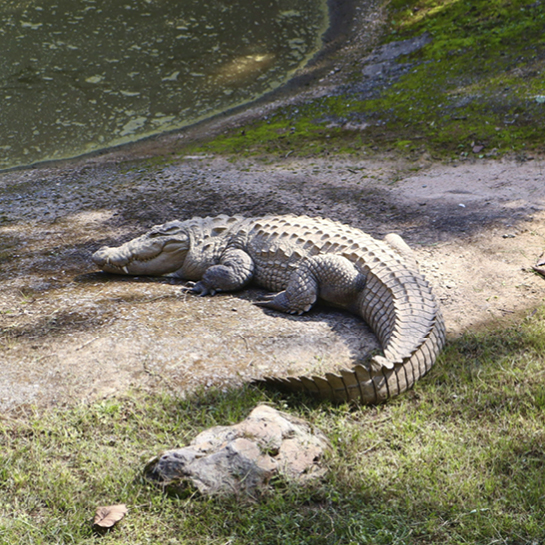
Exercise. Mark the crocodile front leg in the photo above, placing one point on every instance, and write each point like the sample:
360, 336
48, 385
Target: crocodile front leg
234, 271
332, 278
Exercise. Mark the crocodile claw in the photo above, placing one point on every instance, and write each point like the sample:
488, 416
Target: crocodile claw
540, 265
188, 287
198, 288
265, 299
263, 304
274, 301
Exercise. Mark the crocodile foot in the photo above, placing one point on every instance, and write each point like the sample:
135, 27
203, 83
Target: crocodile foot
278, 301
198, 288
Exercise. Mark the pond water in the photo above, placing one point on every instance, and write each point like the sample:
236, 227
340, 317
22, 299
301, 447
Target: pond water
81, 75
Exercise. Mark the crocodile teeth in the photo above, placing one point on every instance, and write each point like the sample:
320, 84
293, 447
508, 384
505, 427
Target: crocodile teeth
125, 270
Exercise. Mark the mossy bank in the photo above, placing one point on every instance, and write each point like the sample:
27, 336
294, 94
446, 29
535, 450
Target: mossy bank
476, 88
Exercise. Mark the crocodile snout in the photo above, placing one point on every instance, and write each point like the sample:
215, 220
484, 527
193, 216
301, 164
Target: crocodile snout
110, 260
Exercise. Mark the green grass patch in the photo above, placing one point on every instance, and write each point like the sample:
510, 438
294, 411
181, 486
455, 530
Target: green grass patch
477, 89
459, 459
481, 78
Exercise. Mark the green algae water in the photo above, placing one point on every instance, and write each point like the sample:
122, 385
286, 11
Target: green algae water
81, 75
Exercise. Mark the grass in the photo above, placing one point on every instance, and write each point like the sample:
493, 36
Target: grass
478, 89
459, 459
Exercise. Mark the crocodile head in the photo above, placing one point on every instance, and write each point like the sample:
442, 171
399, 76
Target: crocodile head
159, 252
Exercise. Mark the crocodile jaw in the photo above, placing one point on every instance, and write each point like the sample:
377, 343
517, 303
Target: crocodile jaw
152, 254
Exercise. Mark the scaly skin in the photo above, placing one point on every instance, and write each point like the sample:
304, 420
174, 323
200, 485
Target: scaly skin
305, 259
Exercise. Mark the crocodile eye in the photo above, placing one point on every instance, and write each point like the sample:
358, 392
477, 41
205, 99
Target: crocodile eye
164, 230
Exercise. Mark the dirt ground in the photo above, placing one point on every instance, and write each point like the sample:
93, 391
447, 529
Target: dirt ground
70, 333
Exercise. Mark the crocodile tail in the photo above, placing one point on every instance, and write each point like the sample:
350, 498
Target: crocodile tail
398, 304
373, 384
400, 308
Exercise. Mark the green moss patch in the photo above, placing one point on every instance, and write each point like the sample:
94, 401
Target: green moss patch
478, 88
478, 85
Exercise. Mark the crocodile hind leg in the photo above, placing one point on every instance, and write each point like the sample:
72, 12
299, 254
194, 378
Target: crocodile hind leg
332, 278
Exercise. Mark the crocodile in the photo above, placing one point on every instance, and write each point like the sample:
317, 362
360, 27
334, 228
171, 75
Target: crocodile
304, 259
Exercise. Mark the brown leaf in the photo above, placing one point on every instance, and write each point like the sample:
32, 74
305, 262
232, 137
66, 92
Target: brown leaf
107, 516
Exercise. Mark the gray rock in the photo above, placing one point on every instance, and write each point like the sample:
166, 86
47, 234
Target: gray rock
393, 50
241, 459
382, 68
382, 61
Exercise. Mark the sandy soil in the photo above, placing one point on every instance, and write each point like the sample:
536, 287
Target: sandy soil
69, 333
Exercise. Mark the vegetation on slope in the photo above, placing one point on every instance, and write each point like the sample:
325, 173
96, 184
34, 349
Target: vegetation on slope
477, 89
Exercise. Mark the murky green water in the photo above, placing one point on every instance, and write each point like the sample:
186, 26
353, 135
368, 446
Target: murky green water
81, 75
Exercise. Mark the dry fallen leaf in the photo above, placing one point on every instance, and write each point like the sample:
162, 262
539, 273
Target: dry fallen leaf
108, 515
